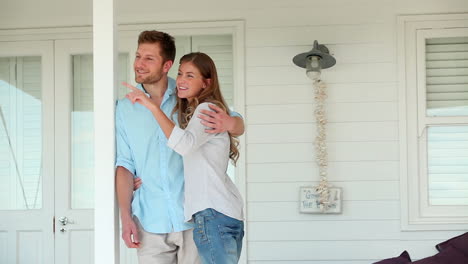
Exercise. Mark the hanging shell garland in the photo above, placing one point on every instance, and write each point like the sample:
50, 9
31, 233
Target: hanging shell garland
322, 189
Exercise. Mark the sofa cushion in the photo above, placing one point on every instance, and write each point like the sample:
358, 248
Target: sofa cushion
459, 242
404, 258
449, 255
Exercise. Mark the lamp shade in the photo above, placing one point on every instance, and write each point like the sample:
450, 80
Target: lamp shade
326, 60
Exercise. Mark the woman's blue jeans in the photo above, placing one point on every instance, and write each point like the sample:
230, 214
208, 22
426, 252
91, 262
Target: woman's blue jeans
218, 237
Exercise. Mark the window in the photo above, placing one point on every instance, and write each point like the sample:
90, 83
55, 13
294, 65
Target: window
433, 63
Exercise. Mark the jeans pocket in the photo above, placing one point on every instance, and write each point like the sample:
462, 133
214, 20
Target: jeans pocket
231, 233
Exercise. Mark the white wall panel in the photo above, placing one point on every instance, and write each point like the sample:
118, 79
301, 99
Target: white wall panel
377, 52
81, 246
352, 191
354, 210
334, 231
430, 6
327, 34
29, 247
369, 250
337, 93
259, 13
337, 112
337, 171
337, 151
341, 73
301, 133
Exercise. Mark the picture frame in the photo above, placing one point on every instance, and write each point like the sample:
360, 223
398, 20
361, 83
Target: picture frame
309, 201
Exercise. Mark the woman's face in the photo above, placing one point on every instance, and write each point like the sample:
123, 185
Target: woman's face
189, 82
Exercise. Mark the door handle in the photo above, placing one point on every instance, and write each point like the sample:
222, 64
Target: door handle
63, 220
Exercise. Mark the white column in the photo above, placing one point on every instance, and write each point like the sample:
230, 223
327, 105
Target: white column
105, 68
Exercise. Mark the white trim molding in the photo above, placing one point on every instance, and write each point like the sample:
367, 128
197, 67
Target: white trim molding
416, 211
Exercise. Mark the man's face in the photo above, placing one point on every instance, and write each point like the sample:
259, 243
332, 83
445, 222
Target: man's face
148, 65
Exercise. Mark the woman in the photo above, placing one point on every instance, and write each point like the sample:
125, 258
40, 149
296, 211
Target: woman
212, 201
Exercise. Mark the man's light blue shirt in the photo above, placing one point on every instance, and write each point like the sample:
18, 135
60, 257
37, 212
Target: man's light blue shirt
142, 149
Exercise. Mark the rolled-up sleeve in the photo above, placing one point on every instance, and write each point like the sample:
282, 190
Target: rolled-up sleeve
185, 141
235, 114
124, 155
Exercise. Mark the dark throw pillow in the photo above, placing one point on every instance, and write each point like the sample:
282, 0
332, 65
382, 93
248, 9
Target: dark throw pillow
404, 258
459, 242
449, 255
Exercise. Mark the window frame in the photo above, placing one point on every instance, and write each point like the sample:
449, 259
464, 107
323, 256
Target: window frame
416, 212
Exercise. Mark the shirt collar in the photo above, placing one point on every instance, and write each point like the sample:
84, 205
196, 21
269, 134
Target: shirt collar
171, 87
140, 87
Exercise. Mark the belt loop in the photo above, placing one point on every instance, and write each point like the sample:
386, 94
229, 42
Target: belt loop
213, 212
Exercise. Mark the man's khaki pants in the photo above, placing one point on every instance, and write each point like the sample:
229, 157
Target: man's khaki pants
171, 248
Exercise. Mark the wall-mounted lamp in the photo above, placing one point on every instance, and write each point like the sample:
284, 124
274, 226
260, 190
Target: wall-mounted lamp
315, 60
322, 198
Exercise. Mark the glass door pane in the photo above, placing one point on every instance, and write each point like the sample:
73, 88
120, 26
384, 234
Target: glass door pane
82, 128
20, 133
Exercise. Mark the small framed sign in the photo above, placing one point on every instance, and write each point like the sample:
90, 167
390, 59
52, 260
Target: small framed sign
309, 201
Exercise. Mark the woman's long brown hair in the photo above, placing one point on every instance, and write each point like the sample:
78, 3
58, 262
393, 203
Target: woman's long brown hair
211, 94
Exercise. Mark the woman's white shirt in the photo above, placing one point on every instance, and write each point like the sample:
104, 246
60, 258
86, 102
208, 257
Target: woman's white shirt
206, 158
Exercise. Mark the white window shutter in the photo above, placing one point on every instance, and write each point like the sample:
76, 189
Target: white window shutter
447, 76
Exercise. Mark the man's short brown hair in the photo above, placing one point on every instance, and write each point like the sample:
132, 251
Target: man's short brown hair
165, 41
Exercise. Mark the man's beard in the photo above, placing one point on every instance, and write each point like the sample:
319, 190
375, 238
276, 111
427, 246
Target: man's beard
148, 80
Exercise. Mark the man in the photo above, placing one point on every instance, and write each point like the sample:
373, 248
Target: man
153, 217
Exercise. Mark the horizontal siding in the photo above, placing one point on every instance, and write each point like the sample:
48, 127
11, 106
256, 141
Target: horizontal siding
352, 191
334, 231
337, 93
345, 53
305, 35
336, 112
337, 171
331, 12
337, 151
341, 73
305, 132
366, 251
354, 210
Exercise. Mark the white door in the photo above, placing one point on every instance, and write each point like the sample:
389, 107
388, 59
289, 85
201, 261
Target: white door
74, 184
26, 152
